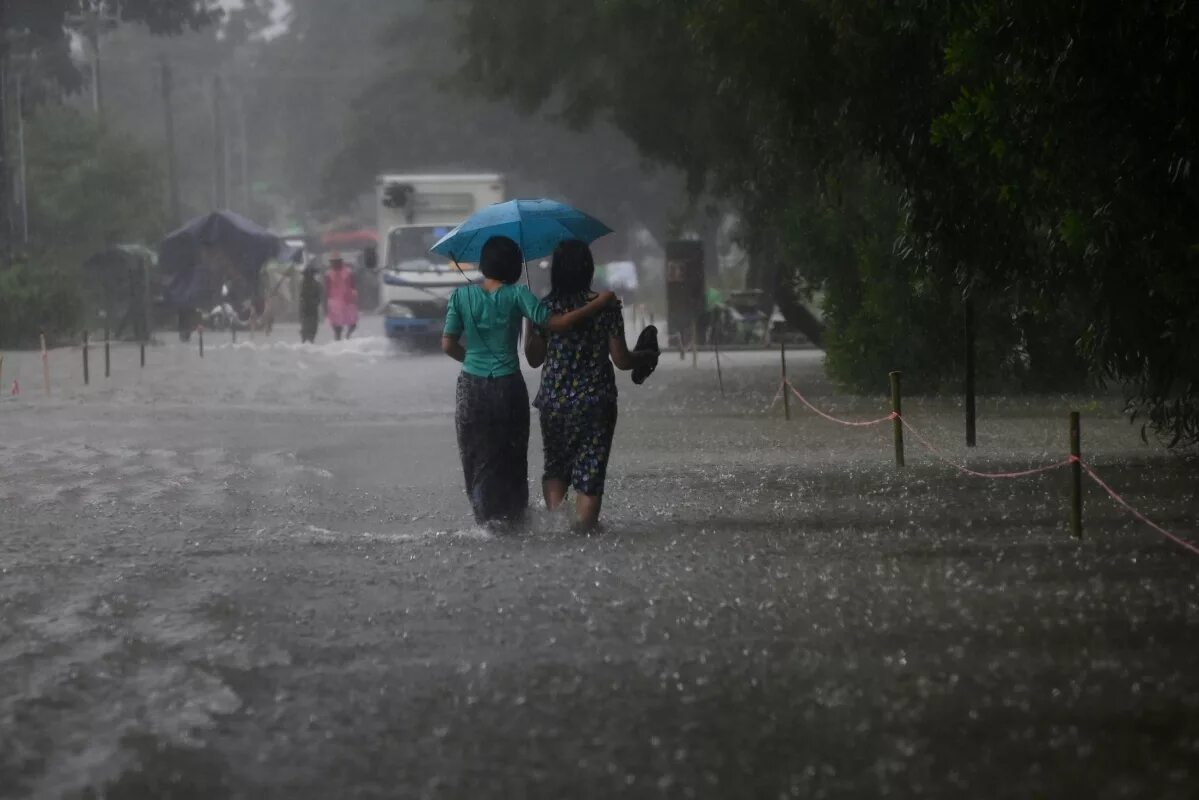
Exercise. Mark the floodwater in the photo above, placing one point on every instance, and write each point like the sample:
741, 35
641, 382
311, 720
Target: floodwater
255, 575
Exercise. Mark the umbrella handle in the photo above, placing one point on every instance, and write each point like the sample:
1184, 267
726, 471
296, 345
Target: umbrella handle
460, 270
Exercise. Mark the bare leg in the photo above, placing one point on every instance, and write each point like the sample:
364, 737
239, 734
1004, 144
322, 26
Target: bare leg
350, 331
587, 510
337, 333
555, 493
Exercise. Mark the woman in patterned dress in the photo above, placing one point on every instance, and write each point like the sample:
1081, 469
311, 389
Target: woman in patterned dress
577, 399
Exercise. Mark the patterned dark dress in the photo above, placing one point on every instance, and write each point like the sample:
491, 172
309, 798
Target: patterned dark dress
577, 398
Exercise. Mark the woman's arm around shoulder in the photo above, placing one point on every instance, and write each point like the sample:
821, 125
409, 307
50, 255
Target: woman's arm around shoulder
564, 322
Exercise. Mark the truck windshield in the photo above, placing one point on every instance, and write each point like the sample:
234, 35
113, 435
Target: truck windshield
408, 249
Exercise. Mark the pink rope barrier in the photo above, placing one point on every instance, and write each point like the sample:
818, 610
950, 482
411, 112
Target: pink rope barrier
777, 396
975, 473
831, 418
1120, 500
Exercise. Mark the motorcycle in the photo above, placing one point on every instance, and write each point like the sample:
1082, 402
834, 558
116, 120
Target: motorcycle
225, 316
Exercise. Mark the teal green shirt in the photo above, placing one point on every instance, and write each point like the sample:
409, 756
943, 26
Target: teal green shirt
491, 323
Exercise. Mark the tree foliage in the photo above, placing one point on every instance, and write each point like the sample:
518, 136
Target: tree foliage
1038, 156
88, 189
43, 26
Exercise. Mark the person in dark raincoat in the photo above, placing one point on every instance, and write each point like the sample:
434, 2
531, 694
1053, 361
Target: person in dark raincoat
310, 304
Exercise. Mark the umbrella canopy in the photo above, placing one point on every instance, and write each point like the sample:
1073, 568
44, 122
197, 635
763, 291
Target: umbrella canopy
205, 252
538, 226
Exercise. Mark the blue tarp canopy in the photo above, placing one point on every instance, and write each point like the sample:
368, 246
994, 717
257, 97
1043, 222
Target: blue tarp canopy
222, 247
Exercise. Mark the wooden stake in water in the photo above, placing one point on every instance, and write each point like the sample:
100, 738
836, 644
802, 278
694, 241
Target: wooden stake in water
786, 386
107, 352
200, 332
1, 369
143, 353
897, 408
1075, 475
45, 366
694, 344
716, 348
971, 409
86, 371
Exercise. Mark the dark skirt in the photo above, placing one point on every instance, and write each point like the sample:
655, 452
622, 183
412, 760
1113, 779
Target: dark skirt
492, 419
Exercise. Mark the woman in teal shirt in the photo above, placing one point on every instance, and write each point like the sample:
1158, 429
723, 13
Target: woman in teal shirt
492, 414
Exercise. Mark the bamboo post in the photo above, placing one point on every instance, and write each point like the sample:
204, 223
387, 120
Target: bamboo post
897, 423
142, 348
694, 344
971, 408
200, 333
1075, 475
107, 351
716, 349
86, 372
786, 386
682, 347
45, 366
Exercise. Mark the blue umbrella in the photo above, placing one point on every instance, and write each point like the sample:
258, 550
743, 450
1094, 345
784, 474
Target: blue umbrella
538, 226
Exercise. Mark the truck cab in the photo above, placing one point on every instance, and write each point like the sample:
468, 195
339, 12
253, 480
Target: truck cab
415, 211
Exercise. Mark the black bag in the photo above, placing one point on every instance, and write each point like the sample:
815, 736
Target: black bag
648, 340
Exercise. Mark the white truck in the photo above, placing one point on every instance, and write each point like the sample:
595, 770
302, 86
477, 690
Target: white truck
414, 212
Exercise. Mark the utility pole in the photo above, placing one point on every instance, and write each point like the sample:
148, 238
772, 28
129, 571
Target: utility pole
971, 407
5, 184
219, 179
168, 110
22, 173
93, 37
227, 154
245, 152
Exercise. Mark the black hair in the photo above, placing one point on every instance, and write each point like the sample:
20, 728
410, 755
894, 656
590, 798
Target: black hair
572, 268
501, 260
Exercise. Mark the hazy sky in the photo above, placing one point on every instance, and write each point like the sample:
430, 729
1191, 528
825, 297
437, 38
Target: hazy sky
280, 13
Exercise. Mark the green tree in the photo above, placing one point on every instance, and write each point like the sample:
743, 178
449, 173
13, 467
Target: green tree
43, 26
88, 188
1039, 157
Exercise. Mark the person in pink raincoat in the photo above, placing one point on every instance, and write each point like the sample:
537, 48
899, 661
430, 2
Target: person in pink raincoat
341, 298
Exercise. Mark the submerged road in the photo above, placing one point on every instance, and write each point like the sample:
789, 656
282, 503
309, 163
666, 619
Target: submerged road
255, 576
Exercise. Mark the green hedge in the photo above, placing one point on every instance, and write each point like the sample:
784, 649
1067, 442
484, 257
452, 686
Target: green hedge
34, 297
